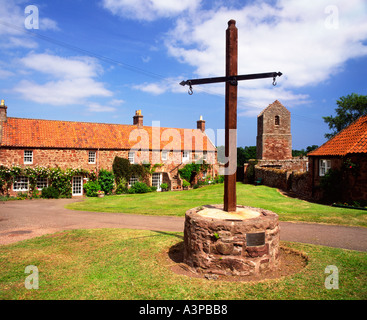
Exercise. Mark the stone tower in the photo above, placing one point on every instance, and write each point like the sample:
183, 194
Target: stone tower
274, 139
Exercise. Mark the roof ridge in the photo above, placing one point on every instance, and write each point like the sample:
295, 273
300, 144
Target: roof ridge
105, 123
363, 120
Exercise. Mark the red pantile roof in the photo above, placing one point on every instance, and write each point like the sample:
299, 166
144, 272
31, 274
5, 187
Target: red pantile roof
352, 139
34, 133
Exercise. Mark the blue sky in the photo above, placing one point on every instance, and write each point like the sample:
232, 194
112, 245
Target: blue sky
99, 61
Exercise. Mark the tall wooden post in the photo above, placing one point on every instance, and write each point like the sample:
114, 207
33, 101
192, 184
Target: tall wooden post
230, 201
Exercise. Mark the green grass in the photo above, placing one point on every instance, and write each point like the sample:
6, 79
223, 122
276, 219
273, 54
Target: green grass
132, 264
178, 202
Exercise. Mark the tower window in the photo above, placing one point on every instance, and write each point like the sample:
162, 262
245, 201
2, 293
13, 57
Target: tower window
277, 120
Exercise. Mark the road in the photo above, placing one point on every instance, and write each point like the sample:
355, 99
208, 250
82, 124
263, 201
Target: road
20, 220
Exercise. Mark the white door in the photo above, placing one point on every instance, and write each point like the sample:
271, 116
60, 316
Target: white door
157, 180
77, 186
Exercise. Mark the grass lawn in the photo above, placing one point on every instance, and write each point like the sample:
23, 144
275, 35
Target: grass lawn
176, 203
132, 264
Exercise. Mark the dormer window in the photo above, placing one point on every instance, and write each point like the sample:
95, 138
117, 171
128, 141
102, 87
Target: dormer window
277, 120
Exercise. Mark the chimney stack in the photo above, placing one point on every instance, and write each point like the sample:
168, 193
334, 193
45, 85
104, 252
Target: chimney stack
3, 107
201, 124
138, 118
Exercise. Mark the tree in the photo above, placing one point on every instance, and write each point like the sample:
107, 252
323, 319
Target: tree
243, 154
349, 109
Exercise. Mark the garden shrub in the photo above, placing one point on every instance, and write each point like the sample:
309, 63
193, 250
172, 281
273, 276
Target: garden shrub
50, 193
123, 169
106, 181
122, 187
91, 188
185, 184
164, 186
139, 187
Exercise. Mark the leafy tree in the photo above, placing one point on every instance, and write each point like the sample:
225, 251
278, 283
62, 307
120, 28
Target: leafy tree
243, 154
349, 109
303, 152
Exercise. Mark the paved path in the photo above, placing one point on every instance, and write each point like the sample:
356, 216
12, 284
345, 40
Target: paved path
26, 219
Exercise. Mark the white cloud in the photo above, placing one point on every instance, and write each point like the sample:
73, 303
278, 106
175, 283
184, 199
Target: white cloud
72, 67
158, 88
149, 9
307, 41
72, 79
96, 107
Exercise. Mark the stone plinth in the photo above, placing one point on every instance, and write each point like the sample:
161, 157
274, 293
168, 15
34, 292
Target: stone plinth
245, 242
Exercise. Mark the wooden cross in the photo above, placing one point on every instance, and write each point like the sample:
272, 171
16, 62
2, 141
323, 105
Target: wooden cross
231, 79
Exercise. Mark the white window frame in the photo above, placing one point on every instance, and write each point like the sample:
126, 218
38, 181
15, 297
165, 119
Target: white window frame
42, 183
131, 157
324, 167
28, 157
205, 155
133, 180
92, 156
21, 181
185, 156
164, 155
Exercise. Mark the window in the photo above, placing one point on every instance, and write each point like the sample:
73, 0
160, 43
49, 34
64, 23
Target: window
20, 183
28, 157
131, 157
185, 156
205, 155
277, 120
92, 157
133, 180
324, 167
42, 183
164, 155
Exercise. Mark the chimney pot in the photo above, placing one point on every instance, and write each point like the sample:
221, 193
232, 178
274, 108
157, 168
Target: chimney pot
138, 118
201, 124
3, 107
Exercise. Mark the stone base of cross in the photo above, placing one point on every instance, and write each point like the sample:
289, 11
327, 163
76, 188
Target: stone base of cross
231, 80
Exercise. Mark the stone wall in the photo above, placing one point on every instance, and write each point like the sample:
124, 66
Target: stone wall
78, 158
231, 246
295, 164
296, 182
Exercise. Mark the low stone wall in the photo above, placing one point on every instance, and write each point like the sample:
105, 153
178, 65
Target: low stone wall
300, 184
231, 246
295, 164
296, 182
275, 178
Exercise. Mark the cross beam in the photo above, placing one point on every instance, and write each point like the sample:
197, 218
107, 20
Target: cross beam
231, 80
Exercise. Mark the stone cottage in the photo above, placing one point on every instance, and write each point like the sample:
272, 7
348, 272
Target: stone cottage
93, 146
345, 153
